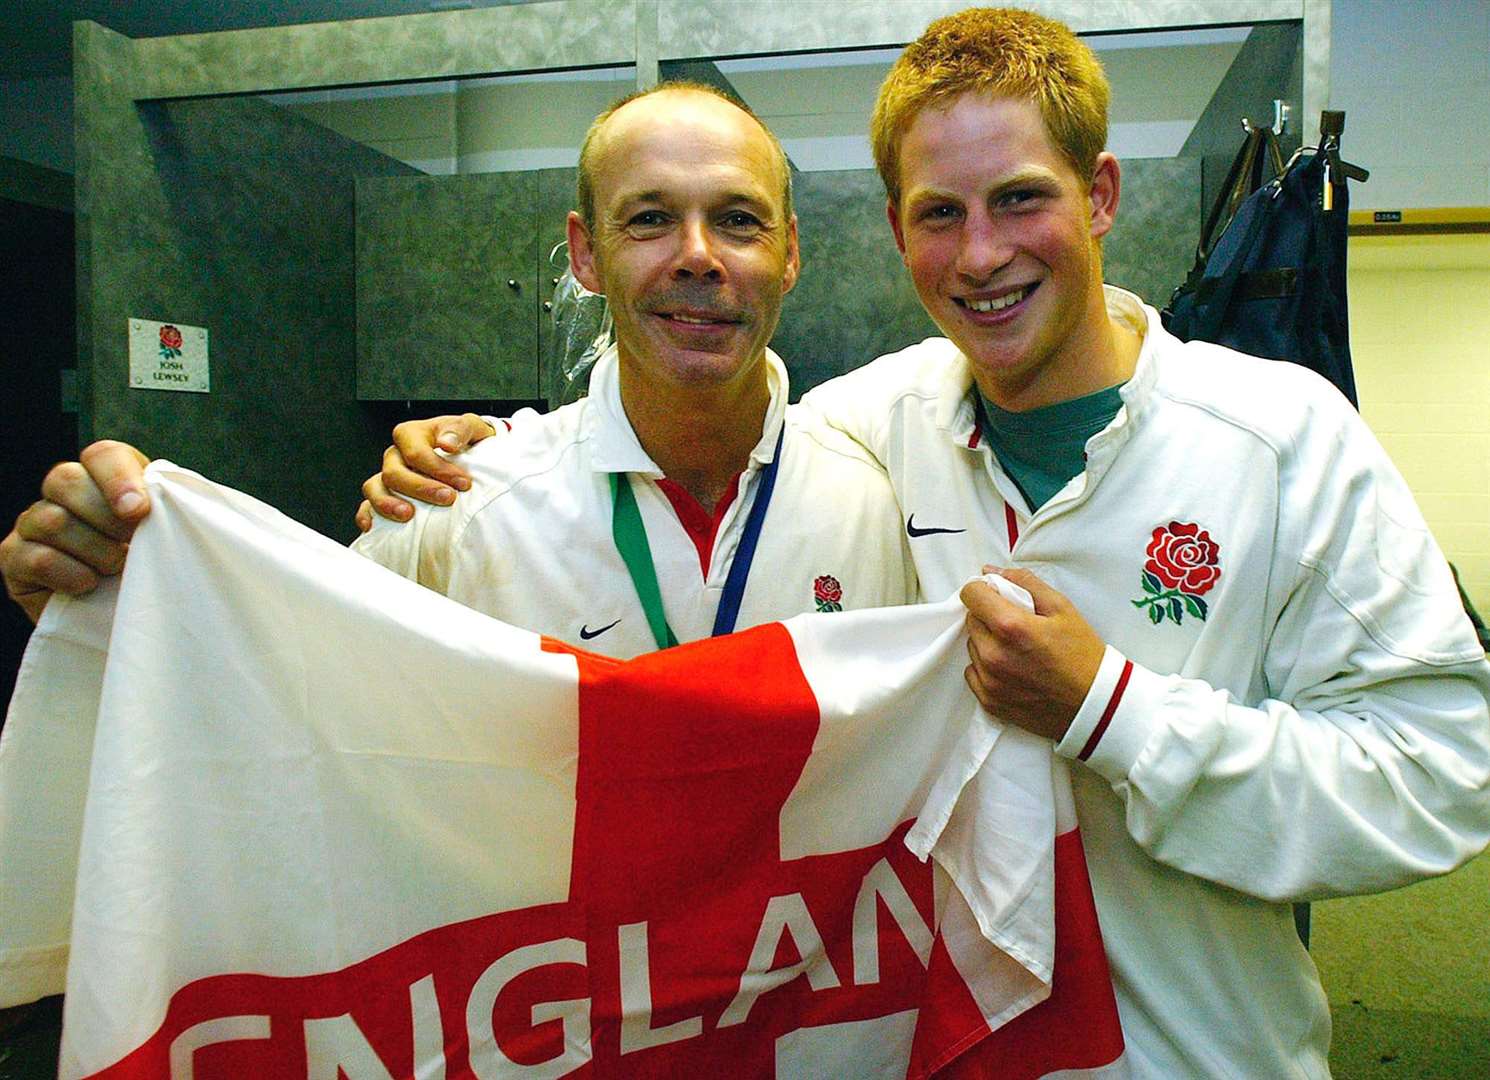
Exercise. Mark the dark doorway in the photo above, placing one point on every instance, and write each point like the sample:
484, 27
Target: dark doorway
38, 340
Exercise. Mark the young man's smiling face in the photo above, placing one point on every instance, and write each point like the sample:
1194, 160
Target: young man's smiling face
691, 244
1001, 238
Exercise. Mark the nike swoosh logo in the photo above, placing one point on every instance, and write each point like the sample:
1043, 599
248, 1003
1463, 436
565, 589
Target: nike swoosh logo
912, 531
586, 634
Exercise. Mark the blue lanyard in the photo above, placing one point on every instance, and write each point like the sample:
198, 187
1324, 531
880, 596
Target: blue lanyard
739, 567
631, 541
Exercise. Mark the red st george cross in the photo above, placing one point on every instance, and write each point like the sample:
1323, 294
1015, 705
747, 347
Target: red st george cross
688, 946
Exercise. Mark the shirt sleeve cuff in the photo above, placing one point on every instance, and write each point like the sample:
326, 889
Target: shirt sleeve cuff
1107, 732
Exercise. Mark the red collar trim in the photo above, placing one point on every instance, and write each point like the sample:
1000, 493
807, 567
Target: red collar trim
701, 526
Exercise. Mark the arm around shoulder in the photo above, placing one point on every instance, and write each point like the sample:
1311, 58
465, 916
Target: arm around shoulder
861, 402
420, 549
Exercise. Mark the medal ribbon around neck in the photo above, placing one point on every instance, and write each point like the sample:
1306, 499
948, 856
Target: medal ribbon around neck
631, 542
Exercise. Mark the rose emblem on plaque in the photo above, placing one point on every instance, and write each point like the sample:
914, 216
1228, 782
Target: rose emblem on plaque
170, 342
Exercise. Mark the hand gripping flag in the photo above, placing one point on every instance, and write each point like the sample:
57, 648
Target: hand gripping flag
272, 811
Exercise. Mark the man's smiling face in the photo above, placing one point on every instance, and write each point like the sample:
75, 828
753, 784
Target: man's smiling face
692, 244
1001, 238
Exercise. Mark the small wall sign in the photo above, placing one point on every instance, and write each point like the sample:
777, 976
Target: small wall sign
168, 356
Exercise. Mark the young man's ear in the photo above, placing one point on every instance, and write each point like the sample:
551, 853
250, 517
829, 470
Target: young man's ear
581, 253
893, 213
1107, 183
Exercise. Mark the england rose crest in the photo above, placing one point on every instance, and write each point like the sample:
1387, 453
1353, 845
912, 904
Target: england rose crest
1183, 564
170, 342
827, 593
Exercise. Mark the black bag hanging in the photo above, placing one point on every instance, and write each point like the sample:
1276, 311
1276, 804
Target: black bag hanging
1271, 282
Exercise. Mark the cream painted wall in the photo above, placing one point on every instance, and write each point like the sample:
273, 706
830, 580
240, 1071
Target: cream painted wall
1406, 971
1420, 340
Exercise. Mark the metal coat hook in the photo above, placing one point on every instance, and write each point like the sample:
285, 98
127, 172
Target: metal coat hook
1281, 111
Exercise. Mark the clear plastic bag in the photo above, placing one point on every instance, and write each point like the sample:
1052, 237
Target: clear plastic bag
582, 332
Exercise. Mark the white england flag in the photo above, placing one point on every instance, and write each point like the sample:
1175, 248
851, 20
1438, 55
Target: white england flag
272, 811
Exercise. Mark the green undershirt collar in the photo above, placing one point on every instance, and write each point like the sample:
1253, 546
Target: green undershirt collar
1042, 449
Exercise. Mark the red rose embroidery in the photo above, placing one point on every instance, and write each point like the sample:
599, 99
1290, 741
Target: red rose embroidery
1183, 564
1183, 557
827, 593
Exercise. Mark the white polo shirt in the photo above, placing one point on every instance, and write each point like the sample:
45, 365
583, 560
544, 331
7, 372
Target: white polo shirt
531, 542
